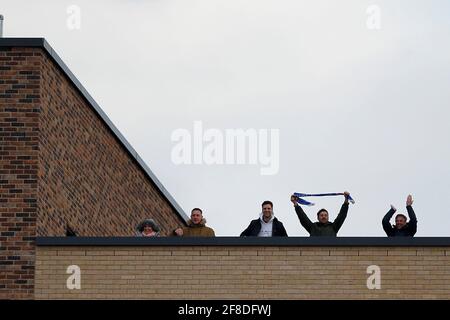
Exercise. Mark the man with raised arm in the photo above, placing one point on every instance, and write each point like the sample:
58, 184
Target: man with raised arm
401, 228
323, 227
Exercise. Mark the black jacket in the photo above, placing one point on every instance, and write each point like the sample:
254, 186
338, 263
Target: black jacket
254, 228
329, 229
409, 230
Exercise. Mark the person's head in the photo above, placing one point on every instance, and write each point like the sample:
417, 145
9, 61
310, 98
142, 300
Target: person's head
400, 221
322, 216
148, 229
267, 209
196, 215
148, 226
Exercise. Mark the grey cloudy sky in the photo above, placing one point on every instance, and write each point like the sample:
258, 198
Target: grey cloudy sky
357, 109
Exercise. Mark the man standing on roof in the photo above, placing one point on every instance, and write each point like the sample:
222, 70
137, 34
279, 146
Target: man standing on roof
196, 226
267, 225
401, 228
323, 227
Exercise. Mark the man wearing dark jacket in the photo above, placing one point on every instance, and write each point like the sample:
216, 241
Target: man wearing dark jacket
401, 228
267, 225
323, 227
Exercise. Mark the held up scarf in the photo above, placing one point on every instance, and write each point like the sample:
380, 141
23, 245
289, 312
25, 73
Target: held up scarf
300, 196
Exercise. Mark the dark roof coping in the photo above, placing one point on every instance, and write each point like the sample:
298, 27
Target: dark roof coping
248, 241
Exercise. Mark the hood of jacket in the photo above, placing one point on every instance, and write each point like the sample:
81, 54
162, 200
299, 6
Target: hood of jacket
192, 225
261, 215
150, 222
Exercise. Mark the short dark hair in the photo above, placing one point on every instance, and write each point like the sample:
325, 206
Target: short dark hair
401, 215
321, 210
267, 202
197, 209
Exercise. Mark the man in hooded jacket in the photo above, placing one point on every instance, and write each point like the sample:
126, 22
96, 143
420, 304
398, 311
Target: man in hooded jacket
267, 225
196, 226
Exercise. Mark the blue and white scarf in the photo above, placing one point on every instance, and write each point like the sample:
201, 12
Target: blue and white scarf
307, 203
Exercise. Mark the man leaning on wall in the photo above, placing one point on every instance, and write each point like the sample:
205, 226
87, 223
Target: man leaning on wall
196, 226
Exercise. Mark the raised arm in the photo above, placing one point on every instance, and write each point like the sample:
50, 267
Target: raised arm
304, 220
337, 224
412, 216
386, 224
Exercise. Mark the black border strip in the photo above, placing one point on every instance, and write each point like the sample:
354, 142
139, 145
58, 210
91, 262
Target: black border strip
248, 241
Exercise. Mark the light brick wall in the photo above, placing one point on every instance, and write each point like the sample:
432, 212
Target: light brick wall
208, 272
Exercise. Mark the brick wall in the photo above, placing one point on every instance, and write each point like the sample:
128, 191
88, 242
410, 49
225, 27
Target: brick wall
235, 272
86, 177
60, 164
19, 128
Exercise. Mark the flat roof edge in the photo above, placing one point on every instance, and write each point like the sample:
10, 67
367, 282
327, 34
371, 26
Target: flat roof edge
248, 241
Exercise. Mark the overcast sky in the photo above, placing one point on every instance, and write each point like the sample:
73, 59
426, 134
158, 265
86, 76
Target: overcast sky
357, 108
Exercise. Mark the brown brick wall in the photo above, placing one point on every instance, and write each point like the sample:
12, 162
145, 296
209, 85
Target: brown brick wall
19, 128
201, 272
86, 178
59, 164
